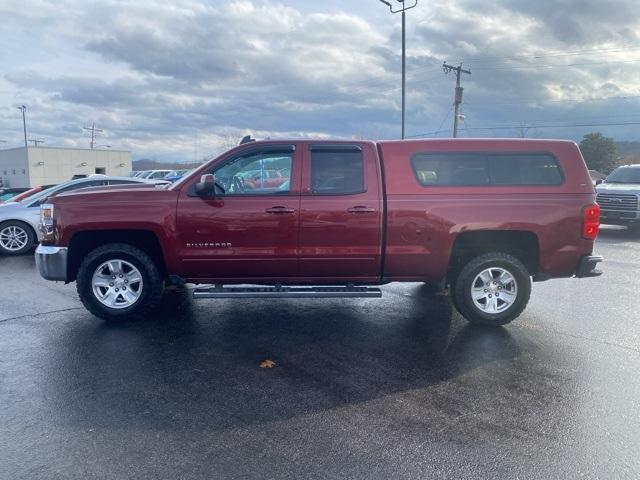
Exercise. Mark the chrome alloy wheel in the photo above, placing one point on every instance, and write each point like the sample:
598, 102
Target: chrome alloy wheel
494, 290
13, 238
117, 284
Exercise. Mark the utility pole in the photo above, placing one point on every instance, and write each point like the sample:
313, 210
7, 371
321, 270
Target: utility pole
93, 131
404, 48
36, 141
23, 108
458, 94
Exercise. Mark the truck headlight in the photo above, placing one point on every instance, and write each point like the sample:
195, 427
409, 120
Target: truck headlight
47, 222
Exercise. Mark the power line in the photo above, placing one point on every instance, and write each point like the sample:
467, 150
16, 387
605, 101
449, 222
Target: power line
525, 67
620, 48
568, 100
511, 127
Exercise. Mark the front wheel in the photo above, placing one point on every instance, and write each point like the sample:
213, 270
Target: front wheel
492, 289
118, 282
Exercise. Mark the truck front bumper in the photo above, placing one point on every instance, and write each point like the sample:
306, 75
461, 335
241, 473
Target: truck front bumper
587, 266
619, 217
52, 262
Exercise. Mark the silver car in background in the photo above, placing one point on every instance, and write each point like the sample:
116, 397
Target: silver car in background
19, 221
619, 197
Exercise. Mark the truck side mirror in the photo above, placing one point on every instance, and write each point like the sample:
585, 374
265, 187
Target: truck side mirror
206, 185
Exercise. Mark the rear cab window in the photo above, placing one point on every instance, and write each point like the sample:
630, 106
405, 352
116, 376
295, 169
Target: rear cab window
486, 169
337, 171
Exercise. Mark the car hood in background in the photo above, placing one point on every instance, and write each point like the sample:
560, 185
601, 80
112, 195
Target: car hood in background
127, 186
10, 207
618, 188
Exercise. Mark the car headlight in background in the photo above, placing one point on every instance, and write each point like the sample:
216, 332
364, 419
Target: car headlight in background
47, 222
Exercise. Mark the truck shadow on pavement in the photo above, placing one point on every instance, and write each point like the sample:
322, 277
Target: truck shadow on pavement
195, 367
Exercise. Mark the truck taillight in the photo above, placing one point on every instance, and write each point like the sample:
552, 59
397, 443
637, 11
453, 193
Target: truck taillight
591, 221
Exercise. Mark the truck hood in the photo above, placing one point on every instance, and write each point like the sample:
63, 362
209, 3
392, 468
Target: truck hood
619, 188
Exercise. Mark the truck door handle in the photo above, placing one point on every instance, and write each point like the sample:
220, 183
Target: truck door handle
280, 209
360, 209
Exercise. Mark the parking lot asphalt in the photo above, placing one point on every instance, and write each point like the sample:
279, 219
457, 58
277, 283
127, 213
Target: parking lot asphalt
398, 387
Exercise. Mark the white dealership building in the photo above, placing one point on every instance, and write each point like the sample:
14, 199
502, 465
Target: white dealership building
33, 166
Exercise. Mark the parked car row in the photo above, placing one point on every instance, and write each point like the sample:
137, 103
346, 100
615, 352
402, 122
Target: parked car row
170, 175
19, 218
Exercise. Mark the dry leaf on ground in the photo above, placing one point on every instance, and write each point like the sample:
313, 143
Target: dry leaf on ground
267, 364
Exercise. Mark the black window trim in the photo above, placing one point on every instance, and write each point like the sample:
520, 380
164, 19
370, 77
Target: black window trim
486, 153
348, 148
324, 147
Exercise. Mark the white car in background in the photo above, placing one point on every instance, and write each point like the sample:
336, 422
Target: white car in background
19, 221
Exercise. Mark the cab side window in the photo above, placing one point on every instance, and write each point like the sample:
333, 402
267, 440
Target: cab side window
256, 174
336, 172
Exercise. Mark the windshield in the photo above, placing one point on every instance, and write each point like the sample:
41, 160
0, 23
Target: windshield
624, 175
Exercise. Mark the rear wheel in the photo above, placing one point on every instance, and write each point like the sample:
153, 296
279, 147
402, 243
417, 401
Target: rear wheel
118, 282
16, 238
492, 289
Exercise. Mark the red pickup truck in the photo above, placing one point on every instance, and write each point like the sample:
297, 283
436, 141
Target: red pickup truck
484, 217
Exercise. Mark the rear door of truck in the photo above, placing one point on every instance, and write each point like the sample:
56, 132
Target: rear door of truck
341, 212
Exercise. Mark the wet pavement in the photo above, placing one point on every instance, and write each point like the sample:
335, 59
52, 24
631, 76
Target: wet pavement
398, 387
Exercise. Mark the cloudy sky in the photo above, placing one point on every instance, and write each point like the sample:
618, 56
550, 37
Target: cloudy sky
157, 75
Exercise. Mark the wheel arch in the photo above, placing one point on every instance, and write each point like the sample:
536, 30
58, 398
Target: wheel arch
83, 242
522, 244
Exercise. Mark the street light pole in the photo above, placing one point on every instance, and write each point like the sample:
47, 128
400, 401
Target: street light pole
23, 109
404, 49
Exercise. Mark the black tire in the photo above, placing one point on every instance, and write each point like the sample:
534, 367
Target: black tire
463, 300
151, 289
22, 227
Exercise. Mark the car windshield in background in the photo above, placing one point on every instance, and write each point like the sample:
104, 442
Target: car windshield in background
40, 195
625, 175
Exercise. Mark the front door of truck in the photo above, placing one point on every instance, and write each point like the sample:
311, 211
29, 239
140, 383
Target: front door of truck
249, 228
341, 212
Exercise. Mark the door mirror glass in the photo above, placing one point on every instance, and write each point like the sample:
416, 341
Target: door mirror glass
206, 185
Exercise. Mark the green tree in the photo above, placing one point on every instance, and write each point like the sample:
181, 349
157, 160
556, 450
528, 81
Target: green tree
599, 152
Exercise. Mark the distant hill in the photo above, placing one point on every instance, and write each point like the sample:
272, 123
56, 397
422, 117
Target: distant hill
149, 164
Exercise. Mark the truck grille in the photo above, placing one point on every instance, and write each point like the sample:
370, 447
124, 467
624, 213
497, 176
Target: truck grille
617, 201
